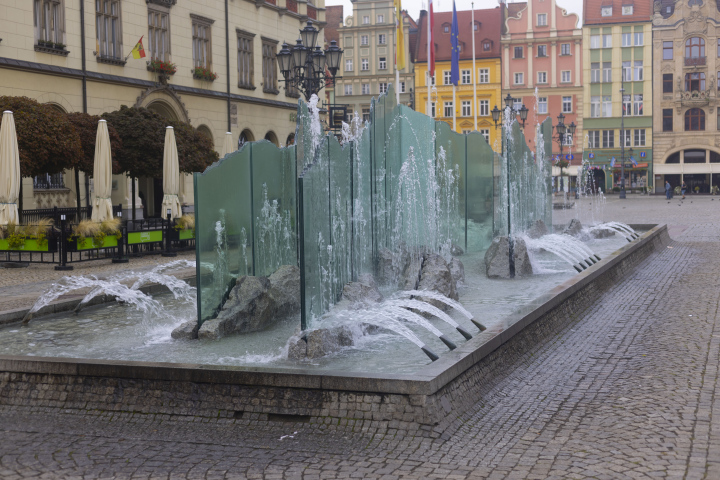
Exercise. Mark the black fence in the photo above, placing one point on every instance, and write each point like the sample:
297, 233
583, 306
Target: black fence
71, 214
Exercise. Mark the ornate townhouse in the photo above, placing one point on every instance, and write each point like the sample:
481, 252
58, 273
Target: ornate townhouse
486, 75
75, 55
617, 55
368, 39
686, 144
542, 69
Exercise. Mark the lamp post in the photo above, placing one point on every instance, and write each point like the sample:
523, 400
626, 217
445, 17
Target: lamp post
509, 100
622, 142
303, 65
563, 131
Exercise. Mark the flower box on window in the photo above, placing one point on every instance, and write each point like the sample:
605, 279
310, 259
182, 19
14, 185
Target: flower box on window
200, 73
51, 47
158, 66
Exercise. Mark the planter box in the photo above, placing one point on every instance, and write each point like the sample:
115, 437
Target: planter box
149, 236
187, 234
89, 244
30, 245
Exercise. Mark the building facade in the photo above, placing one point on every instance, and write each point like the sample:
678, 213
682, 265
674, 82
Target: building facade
76, 57
542, 69
485, 77
368, 38
686, 122
618, 66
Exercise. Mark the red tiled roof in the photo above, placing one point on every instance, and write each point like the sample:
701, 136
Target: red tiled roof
642, 11
334, 18
490, 22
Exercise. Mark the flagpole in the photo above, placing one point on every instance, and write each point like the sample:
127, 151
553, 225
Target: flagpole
398, 25
429, 80
474, 74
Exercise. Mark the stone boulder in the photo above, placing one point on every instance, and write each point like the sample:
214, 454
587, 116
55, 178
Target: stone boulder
574, 228
362, 291
537, 230
456, 250
602, 232
410, 277
436, 277
285, 289
321, 342
187, 330
523, 267
457, 270
497, 263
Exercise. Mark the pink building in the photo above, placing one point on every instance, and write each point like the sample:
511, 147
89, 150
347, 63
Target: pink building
542, 51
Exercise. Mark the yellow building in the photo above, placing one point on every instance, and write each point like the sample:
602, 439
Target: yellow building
485, 79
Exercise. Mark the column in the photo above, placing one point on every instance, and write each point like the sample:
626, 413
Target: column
553, 61
530, 54
578, 67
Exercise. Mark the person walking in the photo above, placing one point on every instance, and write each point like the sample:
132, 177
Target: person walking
668, 190
683, 187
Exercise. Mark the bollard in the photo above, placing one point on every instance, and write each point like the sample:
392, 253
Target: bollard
167, 252
63, 248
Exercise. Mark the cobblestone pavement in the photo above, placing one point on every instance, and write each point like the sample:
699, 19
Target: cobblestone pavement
628, 391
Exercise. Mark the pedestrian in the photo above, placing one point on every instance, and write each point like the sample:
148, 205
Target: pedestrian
668, 190
683, 187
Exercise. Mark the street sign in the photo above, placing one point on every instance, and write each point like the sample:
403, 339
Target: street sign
569, 157
591, 155
642, 154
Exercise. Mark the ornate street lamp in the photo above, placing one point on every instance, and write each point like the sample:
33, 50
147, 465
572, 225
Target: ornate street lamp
563, 131
303, 65
622, 142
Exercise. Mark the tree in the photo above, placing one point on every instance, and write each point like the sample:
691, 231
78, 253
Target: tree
47, 141
195, 149
86, 126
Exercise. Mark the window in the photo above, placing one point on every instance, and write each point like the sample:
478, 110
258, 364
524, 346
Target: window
486, 134
626, 71
465, 77
607, 106
567, 139
383, 87
595, 72
202, 53
381, 19
626, 138
448, 110
447, 74
667, 120
595, 106
567, 104
608, 138
627, 105
594, 139
158, 35
565, 76
668, 50
694, 47
49, 21
718, 47
607, 72
638, 71
627, 10
476, 26
627, 39
607, 41
519, 80
47, 181
606, 11
348, 89
517, 104
594, 41
484, 108
269, 65
402, 87
486, 46
564, 49
541, 77
639, 37
365, 89
366, 20
432, 79
245, 59
542, 105
382, 63
466, 110
694, 82
364, 40
640, 137
432, 109
446, 28
519, 52
364, 64
667, 82
348, 64
107, 22
484, 75
348, 41
366, 114
542, 20
542, 51
695, 119
382, 39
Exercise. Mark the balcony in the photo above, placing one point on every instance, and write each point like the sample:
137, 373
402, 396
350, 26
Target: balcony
695, 61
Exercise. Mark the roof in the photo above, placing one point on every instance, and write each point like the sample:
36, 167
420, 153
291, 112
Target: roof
490, 23
334, 19
642, 11
412, 34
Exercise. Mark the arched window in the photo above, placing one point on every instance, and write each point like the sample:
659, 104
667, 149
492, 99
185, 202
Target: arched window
695, 119
695, 47
206, 131
290, 140
271, 137
245, 136
694, 82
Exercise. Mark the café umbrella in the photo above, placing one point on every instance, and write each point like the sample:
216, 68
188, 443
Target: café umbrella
9, 170
171, 176
227, 145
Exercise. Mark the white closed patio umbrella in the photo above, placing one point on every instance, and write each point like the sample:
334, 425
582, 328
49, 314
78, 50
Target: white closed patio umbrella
228, 146
171, 176
9, 170
102, 175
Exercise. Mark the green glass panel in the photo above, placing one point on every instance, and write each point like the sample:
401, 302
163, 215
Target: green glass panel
362, 206
478, 183
340, 216
450, 152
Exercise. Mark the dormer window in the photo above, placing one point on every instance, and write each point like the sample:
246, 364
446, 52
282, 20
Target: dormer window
486, 46
446, 28
627, 10
606, 11
542, 20
476, 26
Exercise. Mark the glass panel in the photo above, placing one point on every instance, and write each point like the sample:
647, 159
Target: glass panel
450, 152
478, 183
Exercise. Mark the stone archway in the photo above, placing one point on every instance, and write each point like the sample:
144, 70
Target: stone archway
164, 101
245, 136
204, 129
271, 137
163, 109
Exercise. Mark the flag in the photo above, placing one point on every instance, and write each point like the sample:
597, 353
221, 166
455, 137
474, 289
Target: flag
431, 43
399, 38
634, 162
138, 51
612, 162
455, 61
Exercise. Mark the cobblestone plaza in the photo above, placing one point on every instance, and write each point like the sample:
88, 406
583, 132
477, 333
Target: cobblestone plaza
626, 391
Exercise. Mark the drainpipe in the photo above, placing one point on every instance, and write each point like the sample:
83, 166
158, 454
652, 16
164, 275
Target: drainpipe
84, 101
227, 63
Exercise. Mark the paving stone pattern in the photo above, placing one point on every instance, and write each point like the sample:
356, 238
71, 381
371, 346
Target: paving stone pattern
626, 391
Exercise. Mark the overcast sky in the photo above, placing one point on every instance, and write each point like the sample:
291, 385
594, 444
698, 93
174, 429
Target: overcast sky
414, 6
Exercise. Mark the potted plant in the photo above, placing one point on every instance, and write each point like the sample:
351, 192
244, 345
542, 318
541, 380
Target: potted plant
30, 238
202, 73
715, 190
89, 235
59, 46
161, 67
185, 227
